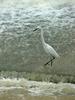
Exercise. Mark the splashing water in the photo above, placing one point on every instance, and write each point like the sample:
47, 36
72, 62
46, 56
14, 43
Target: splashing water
37, 88
33, 3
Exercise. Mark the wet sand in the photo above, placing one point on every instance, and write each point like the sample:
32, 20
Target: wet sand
20, 94
24, 97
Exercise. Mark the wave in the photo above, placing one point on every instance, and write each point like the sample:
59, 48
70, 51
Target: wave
29, 3
37, 88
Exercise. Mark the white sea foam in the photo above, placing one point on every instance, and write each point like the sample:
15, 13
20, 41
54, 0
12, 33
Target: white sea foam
13, 20
36, 3
37, 88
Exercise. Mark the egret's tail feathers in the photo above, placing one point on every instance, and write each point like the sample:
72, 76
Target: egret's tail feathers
57, 55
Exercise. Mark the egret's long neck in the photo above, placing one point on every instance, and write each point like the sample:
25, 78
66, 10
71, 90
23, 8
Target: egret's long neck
42, 37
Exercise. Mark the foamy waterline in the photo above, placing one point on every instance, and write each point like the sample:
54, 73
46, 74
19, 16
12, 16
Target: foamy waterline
37, 88
32, 3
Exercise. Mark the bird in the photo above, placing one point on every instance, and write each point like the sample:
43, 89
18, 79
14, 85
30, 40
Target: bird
47, 48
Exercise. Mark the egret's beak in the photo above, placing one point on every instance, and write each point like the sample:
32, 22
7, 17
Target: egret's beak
35, 29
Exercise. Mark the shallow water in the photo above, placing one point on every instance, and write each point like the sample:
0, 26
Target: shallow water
21, 49
21, 89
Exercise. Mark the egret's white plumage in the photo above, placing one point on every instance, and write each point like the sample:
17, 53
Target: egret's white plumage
48, 49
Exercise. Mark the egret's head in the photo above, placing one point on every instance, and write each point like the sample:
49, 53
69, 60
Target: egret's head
37, 28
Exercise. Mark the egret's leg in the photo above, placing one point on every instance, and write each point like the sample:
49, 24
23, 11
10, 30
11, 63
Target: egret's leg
51, 60
47, 62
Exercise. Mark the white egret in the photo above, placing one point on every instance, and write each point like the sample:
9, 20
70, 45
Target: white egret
48, 49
